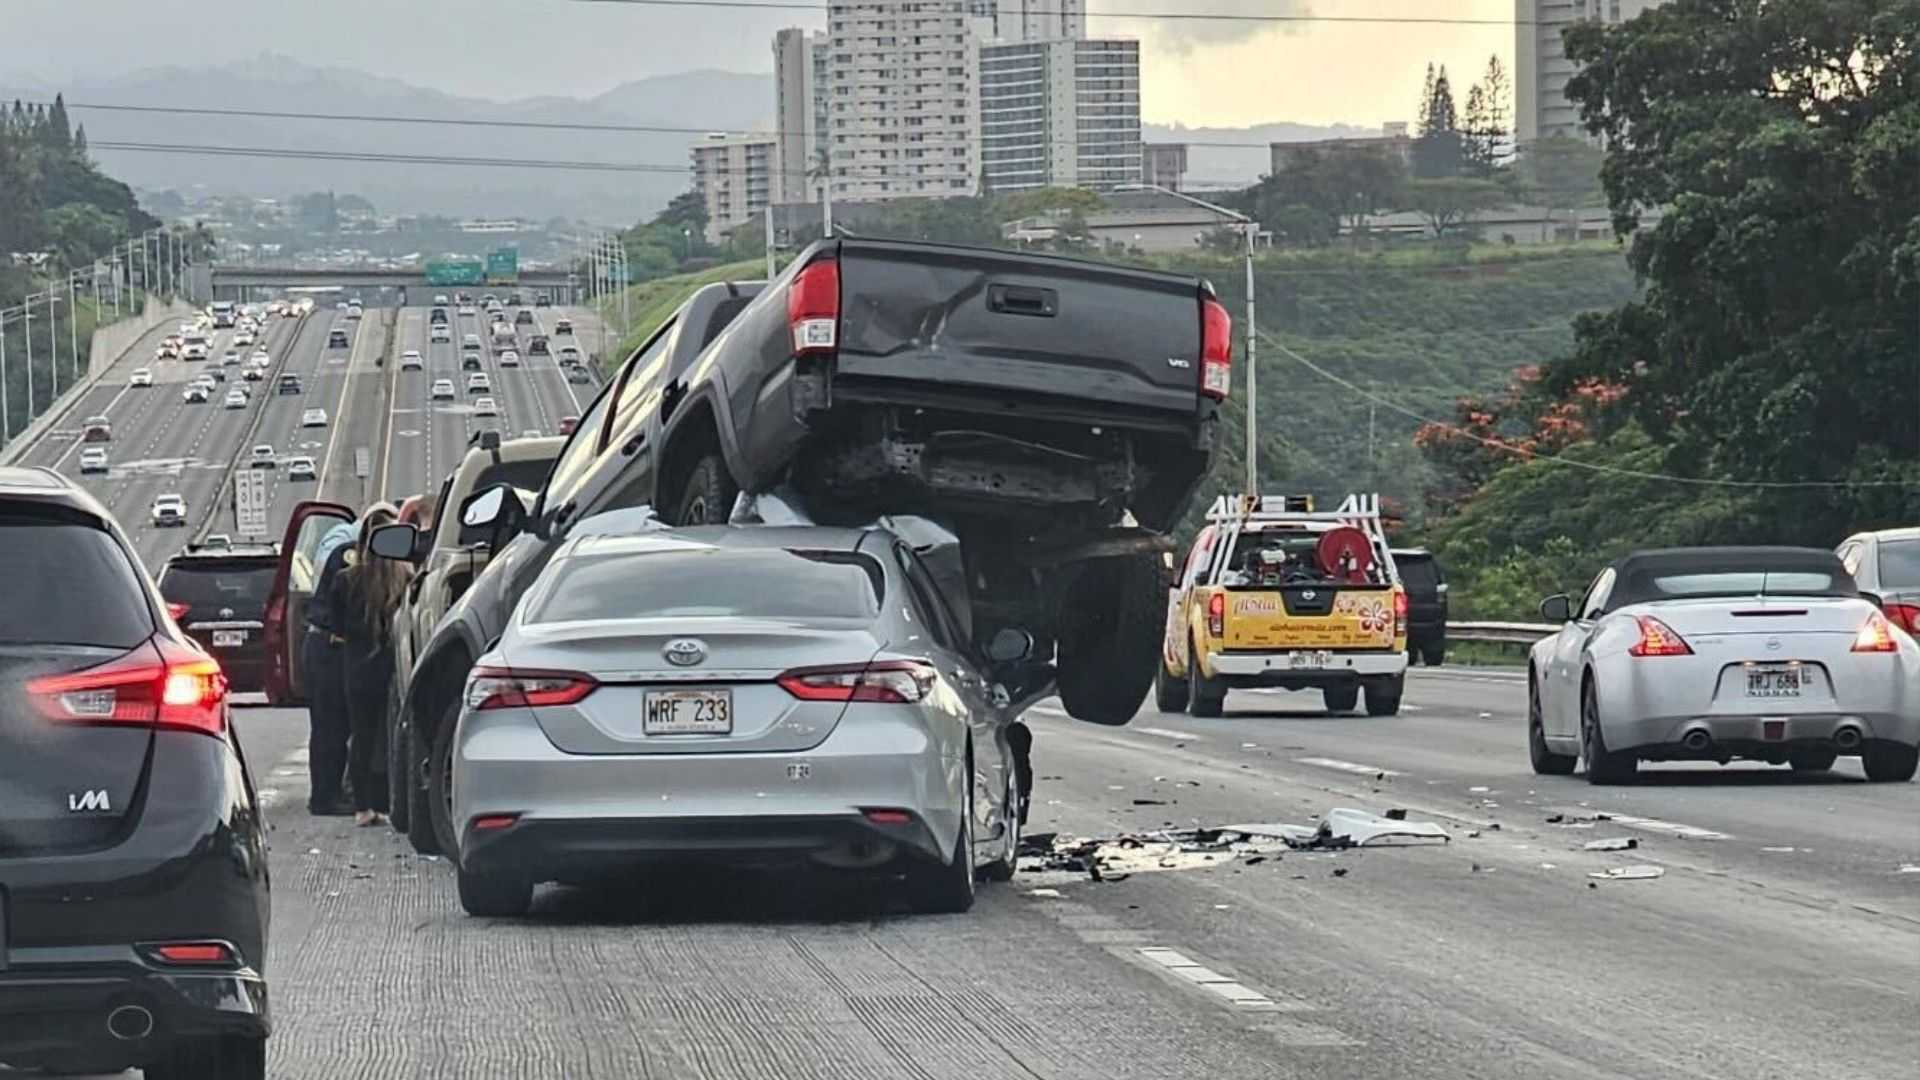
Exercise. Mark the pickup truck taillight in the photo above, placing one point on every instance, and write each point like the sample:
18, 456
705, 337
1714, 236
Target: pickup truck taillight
813, 309
1216, 349
1217, 615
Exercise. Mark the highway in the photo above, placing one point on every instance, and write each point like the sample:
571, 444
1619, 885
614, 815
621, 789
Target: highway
1782, 939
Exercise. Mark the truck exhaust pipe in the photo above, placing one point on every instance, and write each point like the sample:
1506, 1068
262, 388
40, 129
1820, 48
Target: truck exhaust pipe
1847, 739
1697, 740
130, 1023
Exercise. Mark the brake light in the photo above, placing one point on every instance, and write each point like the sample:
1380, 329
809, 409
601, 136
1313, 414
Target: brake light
178, 611
506, 688
1399, 614
1904, 616
901, 682
159, 684
1216, 349
1658, 639
193, 953
813, 309
1217, 614
495, 822
1875, 636
889, 817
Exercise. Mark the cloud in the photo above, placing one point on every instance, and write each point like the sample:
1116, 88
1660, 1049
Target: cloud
1184, 34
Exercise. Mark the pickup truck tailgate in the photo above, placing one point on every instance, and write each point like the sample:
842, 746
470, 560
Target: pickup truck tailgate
1310, 617
1009, 323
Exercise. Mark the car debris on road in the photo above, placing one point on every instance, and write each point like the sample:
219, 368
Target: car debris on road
1116, 858
1628, 873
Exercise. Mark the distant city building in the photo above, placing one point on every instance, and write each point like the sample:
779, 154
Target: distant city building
1283, 153
735, 174
799, 60
904, 113
1541, 68
1163, 164
1009, 21
1394, 129
1060, 113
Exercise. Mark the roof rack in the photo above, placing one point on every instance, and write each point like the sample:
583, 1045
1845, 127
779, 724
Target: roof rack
1233, 513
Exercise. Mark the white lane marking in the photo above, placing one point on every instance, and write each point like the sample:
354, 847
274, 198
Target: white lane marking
1670, 828
338, 421
1169, 733
403, 322
1355, 767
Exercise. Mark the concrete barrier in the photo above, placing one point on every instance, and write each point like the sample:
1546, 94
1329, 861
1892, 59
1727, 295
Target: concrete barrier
110, 345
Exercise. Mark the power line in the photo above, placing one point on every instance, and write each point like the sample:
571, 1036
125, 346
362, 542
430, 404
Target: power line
1556, 459
1166, 16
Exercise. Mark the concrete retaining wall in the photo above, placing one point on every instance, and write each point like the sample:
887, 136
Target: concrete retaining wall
110, 344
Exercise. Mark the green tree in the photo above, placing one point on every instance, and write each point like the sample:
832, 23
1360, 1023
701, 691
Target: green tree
1777, 335
1483, 131
79, 233
1439, 149
1561, 173
1448, 204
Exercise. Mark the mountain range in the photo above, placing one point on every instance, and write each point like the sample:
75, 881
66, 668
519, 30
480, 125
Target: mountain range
684, 104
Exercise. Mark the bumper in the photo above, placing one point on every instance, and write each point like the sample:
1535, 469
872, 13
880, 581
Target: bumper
1278, 668
579, 813
54, 1005
1756, 736
1644, 707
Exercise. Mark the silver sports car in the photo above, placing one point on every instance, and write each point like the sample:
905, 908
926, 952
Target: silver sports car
1710, 654
756, 694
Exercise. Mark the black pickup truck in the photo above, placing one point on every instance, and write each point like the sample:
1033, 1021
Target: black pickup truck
1053, 414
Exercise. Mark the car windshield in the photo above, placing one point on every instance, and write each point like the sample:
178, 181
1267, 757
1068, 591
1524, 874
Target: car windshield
211, 586
713, 583
1900, 564
68, 583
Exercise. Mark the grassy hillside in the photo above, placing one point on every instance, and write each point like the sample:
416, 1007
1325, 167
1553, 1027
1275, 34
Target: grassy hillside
649, 303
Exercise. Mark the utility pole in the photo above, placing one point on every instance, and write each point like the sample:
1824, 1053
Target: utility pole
769, 241
73, 322
28, 303
6, 414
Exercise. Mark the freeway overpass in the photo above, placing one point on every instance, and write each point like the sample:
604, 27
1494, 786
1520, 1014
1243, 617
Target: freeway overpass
225, 281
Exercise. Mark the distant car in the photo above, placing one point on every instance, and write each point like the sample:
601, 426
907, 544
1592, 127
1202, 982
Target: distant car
354, 312
489, 300
468, 309
437, 317
470, 341
217, 592
96, 429
93, 459
537, 346
193, 351
1426, 589
523, 317
470, 361
1887, 564
411, 361
568, 423
235, 400
212, 377
563, 327
443, 390
542, 300
243, 339
578, 374
479, 383
289, 383
439, 299
440, 334
301, 468
261, 358
485, 407
509, 358
230, 358
569, 354
262, 457
195, 394
252, 373
169, 511
338, 339
313, 418
140, 377
1710, 654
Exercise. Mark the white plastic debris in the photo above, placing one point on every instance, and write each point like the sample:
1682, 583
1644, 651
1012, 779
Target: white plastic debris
1612, 843
1044, 894
1628, 873
1363, 828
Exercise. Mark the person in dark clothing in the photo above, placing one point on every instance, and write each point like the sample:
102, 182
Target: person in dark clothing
363, 597
323, 678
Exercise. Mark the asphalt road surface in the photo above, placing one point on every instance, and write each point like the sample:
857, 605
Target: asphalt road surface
1782, 939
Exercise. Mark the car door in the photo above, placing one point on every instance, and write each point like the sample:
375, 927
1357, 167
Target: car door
293, 582
1561, 713
623, 474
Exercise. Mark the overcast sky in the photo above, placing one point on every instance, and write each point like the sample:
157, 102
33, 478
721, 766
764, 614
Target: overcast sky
1196, 73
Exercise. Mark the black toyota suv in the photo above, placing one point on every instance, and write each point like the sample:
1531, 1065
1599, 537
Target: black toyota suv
218, 595
1426, 605
133, 858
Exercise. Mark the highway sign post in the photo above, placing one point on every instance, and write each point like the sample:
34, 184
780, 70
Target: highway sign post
250, 503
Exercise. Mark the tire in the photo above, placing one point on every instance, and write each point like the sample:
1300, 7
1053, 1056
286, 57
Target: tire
399, 761
1603, 766
1003, 868
495, 896
439, 794
1111, 646
1811, 760
1341, 699
1434, 655
1383, 696
1205, 697
1889, 762
1169, 693
707, 495
947, 888
1545, 761
231, 1057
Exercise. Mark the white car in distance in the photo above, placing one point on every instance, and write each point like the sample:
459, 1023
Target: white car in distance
93, 460
235, 399
313, 418
485, 407
169, 510
443, 390
262, 458
140, 377
509, 358
411, 360
301, 468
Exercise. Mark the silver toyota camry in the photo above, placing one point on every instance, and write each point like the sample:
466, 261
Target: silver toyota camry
754, 694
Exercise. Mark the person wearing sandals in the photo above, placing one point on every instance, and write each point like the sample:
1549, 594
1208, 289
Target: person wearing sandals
364, 596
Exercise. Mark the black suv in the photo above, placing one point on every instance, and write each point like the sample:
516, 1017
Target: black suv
523, 317
1426, 605
289, 384
438, 316
133, 857
218, 595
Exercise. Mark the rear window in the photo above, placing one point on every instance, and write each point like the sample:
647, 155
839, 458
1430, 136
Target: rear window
68, 583
1900, 564
1750, 583
210, 586
1419, 573
761, 584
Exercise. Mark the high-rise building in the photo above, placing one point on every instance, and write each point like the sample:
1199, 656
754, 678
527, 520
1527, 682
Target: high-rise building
798, 60
1010, 21
736, 175
904, 109
1163, 165
1064, 113
1540, 65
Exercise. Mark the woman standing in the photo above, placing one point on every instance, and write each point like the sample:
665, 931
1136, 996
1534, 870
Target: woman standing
363, 598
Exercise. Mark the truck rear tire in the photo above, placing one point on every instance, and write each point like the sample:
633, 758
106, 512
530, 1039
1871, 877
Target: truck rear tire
1383, 696
1113, 619
707, 495
1169, 692
1341, 699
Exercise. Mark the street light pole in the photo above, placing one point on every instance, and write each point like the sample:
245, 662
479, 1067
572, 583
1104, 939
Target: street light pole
73, 321
1251, 230
6, 414
28, 325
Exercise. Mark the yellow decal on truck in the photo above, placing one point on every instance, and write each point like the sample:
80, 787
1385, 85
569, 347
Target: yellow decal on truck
1374, 613
1261, 604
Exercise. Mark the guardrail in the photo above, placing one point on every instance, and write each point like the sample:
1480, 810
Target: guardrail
1509, 633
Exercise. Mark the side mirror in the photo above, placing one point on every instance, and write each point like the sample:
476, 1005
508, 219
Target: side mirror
1557, 608
396, 541
1441, 588
1010, 646
486, 508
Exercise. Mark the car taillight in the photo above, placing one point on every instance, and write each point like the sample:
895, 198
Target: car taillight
1399, 614
1216, 349
1217, 614
158, 684
1875, 636
901, 682
1905, 616
813, 309
1658, 639
178, 610
192, 953
507, 688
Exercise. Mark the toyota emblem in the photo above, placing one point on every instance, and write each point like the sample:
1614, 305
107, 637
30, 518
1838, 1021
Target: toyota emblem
684, 652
